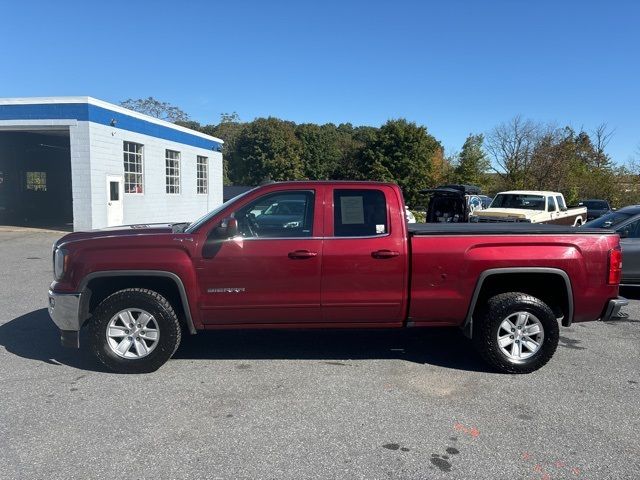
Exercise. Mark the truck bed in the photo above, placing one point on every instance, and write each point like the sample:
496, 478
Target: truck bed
419, 229
447, 261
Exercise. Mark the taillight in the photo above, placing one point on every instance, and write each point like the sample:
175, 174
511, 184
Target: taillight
615, 266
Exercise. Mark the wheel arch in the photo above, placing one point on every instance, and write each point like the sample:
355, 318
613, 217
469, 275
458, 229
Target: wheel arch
557, 293
96, 286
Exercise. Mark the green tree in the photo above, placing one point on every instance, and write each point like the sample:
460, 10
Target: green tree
353, 143
321, 150
266, 148
156, 108
228, 130
472, 164
402, 152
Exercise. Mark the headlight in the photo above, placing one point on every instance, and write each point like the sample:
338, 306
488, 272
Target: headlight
60, 258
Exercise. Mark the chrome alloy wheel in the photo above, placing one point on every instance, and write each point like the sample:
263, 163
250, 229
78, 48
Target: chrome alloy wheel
520, 336
132, 333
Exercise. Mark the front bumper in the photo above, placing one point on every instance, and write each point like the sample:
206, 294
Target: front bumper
64, 310
613, 308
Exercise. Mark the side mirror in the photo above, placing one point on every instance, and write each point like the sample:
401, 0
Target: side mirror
232, 227
624, 233
228, 228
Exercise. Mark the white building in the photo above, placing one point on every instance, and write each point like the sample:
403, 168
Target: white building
85, 163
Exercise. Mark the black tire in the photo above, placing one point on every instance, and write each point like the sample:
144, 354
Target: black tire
486, 328
135, 298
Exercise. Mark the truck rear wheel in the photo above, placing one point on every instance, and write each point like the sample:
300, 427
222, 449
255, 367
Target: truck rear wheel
517, 333
134, 331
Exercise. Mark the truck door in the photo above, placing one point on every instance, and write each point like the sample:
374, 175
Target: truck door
270, 271
551, 209
364, 263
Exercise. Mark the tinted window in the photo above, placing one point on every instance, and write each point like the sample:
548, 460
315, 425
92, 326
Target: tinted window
609, 220
359, 213
630, 230
285, 214
596, 204
517, 200
561, 203
551, 206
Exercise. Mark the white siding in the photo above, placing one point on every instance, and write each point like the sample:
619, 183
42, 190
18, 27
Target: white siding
154, 204
81, 176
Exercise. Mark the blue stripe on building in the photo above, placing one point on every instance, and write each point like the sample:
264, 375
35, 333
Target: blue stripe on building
103, 116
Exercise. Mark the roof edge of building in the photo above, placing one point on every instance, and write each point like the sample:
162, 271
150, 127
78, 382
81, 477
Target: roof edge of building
106, 105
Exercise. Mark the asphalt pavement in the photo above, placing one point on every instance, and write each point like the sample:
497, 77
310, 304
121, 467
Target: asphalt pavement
308, 405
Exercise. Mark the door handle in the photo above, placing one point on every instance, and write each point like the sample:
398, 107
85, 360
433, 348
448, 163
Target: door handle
302, 254
382, 254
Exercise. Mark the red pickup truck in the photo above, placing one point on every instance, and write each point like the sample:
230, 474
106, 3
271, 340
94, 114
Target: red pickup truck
330, 255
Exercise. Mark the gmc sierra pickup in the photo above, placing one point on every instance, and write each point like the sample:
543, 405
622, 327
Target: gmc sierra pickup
330, 255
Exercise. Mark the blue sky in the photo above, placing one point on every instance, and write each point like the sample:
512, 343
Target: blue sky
455, 66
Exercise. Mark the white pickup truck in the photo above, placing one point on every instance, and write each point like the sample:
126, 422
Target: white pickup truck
531, 206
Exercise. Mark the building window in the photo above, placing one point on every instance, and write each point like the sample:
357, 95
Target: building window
173, 171
202, 178
132, 167
36, 181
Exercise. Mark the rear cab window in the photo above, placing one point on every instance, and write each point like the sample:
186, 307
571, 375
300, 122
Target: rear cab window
360, 213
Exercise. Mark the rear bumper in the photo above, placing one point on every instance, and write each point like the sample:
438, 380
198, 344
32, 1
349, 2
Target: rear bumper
64, 310
613, 308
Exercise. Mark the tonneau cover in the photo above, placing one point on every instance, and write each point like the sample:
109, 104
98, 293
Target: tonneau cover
500, 229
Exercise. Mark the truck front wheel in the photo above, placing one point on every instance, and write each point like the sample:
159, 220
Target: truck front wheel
134, 331
517, 333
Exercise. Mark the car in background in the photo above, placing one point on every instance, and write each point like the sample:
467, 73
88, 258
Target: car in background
485, 201
530, 206
280, 213
595, 208
626, 223
453, 203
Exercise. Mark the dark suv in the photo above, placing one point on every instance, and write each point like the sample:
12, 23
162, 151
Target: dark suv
595, 208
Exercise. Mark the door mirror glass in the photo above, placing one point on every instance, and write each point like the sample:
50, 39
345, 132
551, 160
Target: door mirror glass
232, 227
228, 228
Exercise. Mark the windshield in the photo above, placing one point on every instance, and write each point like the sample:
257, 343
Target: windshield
596, 204
205, 218
518, 200
609, 220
